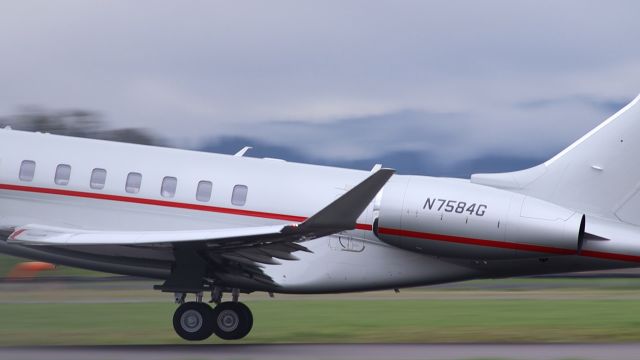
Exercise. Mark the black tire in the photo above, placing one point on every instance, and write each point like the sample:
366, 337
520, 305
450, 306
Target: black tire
193, 321
249, 316
232, 320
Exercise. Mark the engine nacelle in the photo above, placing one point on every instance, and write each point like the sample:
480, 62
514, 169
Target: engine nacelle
458, 219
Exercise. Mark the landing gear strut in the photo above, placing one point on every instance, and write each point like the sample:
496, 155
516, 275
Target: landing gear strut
196, 320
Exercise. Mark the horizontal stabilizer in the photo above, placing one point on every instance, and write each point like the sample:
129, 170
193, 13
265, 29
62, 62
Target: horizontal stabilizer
597, 175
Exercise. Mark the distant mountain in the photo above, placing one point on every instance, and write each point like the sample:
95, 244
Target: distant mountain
406, 162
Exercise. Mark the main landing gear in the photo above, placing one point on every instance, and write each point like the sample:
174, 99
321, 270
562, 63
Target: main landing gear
196, 320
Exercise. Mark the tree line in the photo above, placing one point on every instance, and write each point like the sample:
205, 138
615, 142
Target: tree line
78, 123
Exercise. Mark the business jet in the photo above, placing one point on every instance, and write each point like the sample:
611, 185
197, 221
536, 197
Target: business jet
226, 225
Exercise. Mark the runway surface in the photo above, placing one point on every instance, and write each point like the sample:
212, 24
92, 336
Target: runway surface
330, 352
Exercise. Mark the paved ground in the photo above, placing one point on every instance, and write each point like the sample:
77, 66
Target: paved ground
330, 352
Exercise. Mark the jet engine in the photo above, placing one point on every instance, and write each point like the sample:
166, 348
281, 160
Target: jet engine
458, 219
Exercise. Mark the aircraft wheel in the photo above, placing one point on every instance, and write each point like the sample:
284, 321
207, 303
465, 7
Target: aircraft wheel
249, 316
232, 320
193, 321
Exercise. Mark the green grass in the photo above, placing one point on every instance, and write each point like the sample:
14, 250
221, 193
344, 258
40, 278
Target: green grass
508, 310
336, 321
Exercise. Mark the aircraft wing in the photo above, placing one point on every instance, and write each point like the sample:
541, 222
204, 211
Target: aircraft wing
35, 234
338, 216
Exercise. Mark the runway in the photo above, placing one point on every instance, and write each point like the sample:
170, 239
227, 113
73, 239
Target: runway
330, 352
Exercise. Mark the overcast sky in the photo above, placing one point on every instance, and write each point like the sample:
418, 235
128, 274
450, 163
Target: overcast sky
348, 79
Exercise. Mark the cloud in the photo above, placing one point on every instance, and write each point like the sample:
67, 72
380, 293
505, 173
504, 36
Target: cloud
537, 129
405, 162
601, 105
335, 78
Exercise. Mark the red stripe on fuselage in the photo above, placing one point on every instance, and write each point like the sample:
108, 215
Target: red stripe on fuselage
171, 204
294, 218
479, 242
610, 256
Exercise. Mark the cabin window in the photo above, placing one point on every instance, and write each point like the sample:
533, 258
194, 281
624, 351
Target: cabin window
204, 191
169, 185
63, 174
98, 178
134, 180
239, 196
27, 170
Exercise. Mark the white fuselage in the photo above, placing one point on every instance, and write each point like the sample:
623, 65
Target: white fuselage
278, 192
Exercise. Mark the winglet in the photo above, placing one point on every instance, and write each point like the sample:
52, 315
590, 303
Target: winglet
243, 151
342, 214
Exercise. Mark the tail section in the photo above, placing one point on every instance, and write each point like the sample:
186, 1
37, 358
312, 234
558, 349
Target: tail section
599, 174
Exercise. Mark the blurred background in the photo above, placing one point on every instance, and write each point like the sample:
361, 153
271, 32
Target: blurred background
429, 87
443, 88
